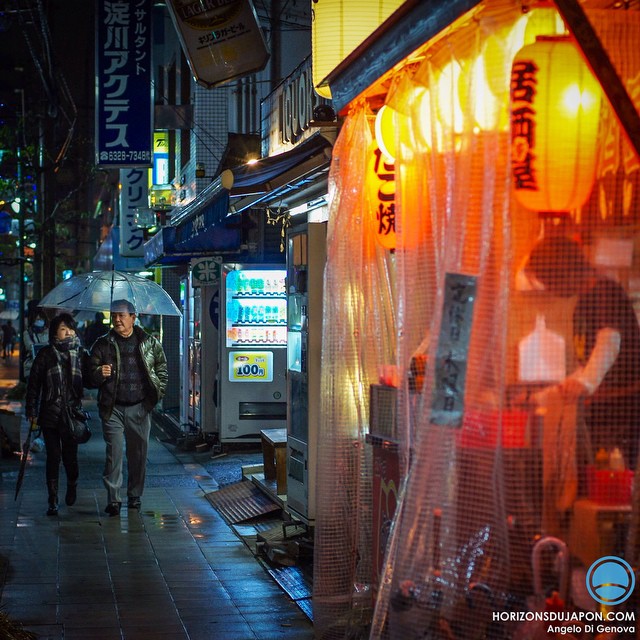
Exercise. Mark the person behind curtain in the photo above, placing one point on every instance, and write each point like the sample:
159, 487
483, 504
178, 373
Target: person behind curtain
129, 368
56, 380
606, 338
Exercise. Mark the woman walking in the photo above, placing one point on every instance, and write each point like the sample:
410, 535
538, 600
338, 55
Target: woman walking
55, 380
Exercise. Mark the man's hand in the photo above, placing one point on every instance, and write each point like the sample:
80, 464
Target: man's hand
105, 370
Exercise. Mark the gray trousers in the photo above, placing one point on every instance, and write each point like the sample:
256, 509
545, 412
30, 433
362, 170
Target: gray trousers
128, 426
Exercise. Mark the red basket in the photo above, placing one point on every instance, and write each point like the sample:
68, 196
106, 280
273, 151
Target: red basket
609, 487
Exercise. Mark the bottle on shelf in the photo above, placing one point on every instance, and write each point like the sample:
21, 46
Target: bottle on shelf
616, 460
602, 459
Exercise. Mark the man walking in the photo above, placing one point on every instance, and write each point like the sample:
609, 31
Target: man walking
129, 368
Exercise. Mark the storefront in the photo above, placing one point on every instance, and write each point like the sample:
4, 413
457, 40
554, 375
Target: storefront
232, 236
431, 227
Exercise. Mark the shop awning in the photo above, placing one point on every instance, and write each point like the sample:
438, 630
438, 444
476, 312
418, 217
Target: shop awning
211, 223
280, 176
160, 249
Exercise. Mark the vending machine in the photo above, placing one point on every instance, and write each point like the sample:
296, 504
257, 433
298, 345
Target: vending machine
252, 380
306, 257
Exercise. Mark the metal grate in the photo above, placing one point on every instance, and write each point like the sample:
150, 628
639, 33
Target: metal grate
241, 501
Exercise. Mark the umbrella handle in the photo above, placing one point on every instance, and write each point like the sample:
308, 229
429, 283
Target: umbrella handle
34, 428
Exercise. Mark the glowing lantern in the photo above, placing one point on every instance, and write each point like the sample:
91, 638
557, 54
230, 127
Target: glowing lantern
476, 97
385, 126
500, 47
448, 97
543, 21
555, 108
427, 128
338, 27
381, 197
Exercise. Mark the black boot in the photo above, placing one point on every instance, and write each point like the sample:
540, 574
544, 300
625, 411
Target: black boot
70, 496
72, 471
52, 488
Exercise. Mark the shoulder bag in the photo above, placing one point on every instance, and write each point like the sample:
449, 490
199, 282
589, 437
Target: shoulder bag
75, 420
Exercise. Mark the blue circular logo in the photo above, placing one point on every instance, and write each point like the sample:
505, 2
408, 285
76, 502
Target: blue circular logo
610, 580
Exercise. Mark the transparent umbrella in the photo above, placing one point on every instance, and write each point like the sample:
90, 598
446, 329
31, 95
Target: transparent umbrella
95, 290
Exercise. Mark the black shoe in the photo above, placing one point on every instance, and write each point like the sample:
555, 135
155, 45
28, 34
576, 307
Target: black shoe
113, 509
134, 503
71, 495
52, 490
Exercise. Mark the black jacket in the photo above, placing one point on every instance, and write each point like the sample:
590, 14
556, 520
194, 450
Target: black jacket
41, 399
105, 351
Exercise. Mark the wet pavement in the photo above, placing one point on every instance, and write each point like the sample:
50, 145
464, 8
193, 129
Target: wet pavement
173, 570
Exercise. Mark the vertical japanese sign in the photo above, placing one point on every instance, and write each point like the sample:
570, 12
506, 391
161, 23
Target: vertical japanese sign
134, 194
221, 39
453, 347
124, 105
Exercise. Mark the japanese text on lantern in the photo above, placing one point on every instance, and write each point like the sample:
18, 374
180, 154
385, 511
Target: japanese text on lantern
523, 129
453, 345
382, 195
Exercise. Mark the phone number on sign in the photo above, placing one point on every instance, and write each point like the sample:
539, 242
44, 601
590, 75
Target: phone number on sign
125, 156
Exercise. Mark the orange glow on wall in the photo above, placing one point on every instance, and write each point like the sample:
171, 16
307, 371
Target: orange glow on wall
555, 108
381, 197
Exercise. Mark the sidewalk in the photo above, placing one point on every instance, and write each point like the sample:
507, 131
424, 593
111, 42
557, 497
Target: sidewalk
173, 570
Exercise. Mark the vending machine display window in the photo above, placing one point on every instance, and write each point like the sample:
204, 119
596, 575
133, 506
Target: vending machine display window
256, 308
